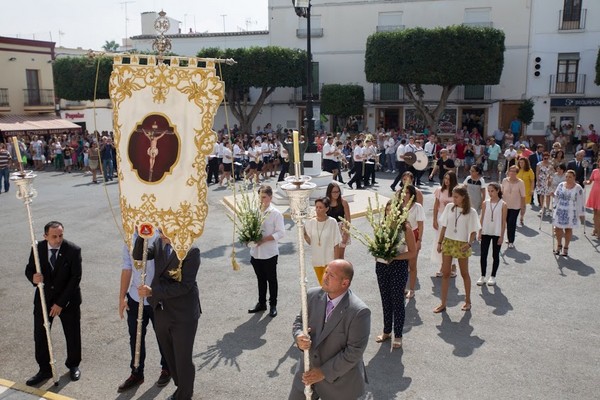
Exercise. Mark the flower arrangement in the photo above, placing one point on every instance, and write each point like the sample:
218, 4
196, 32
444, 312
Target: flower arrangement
248, 217
388, 237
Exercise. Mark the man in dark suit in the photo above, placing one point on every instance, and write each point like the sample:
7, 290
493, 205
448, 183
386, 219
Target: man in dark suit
176, 306
534, 159
60, 263
577, 166
339, 324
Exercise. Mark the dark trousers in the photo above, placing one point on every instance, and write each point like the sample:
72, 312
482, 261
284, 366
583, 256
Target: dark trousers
266, 274
70, 318
147, 316
401, 168
511, 223
285, 166
357, 170
369, 174
391, 279
213, 170
485, 246
177, 342
5, 176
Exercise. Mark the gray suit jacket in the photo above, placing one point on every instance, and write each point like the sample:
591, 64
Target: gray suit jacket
179, 299
337, 345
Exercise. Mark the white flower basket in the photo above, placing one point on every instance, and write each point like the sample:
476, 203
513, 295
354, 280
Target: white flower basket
381, 260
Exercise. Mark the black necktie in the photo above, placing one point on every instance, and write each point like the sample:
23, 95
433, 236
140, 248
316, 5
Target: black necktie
168, 250
53, 258
578, 164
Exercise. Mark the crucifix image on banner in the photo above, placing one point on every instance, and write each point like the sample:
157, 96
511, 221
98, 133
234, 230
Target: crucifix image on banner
163, 118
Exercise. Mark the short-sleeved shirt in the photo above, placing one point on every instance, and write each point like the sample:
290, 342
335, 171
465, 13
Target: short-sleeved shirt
512, 193
416, 214
459, 226
474, 187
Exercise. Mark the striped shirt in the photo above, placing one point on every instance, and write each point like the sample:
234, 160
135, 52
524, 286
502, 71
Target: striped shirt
4, 158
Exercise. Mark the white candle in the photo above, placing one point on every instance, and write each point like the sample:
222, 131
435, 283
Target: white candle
296, 147
17, 149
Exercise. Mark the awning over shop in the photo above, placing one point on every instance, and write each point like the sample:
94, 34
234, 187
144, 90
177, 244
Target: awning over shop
16, 124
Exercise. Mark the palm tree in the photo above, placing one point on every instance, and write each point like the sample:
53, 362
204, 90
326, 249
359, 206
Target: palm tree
110, 46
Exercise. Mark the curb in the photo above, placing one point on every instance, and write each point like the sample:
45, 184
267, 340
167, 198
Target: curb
43, 394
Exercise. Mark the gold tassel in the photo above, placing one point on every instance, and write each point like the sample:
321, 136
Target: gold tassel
234, 263
176, 273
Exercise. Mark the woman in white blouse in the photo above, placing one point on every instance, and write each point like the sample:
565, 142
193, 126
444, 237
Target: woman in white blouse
493, 227
323, 235
227, 163
458, 226
416, 219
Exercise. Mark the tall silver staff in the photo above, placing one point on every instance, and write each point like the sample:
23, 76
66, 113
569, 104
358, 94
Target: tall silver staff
24, 180
299, 189
146, 231
500, 169
585, 165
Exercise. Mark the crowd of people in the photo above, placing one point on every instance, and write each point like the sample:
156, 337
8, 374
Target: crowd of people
479, 208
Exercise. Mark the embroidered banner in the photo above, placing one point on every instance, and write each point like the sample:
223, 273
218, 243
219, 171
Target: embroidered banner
163, 118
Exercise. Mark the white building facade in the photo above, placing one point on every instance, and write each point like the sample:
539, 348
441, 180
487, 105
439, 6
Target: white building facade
565, 35
340, 30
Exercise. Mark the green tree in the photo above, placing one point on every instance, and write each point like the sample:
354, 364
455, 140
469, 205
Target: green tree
526, 114
75, 77
342, 101
446, 57
111, 46
598, 69
264, 68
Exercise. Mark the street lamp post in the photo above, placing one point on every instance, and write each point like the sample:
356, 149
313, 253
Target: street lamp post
302, 8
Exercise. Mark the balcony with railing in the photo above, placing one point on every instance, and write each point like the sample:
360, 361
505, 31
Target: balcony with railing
314, 32
389, 28
474, 93
299, 94
388, 92
572, 21
567, 84
38, 99
4, 103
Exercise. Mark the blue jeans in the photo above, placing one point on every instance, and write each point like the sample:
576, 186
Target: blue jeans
107, 169
148, 316
4, 175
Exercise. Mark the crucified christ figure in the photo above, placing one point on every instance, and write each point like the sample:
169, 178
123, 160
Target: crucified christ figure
153, 136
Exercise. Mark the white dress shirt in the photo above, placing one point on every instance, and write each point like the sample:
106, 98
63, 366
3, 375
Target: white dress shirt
272, 225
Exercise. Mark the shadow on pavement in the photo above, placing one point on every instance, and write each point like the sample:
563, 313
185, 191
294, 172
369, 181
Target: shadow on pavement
493, 297
152, 393
575, 265
386, 374
453, 297
293, 354
412, 318
527, 231
518, 256
458, 334
246, 336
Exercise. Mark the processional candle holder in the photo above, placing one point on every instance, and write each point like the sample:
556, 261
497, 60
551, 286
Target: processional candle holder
500, 169
24, 181
299, 189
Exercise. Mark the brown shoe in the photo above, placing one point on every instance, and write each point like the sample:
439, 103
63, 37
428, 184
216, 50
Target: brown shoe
164, 378
132, 381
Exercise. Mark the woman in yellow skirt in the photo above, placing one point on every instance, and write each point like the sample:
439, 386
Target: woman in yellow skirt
459, 225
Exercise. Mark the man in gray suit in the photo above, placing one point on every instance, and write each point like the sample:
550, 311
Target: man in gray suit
339, 324
176, 306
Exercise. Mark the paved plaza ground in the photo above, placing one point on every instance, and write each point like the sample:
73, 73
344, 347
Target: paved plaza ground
536, 335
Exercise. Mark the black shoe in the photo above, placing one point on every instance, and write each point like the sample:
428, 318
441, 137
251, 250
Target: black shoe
164, 378
38, 378
349, 185
257, 308
393, 188
74, 373
273, 312
132, 381
375, 183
